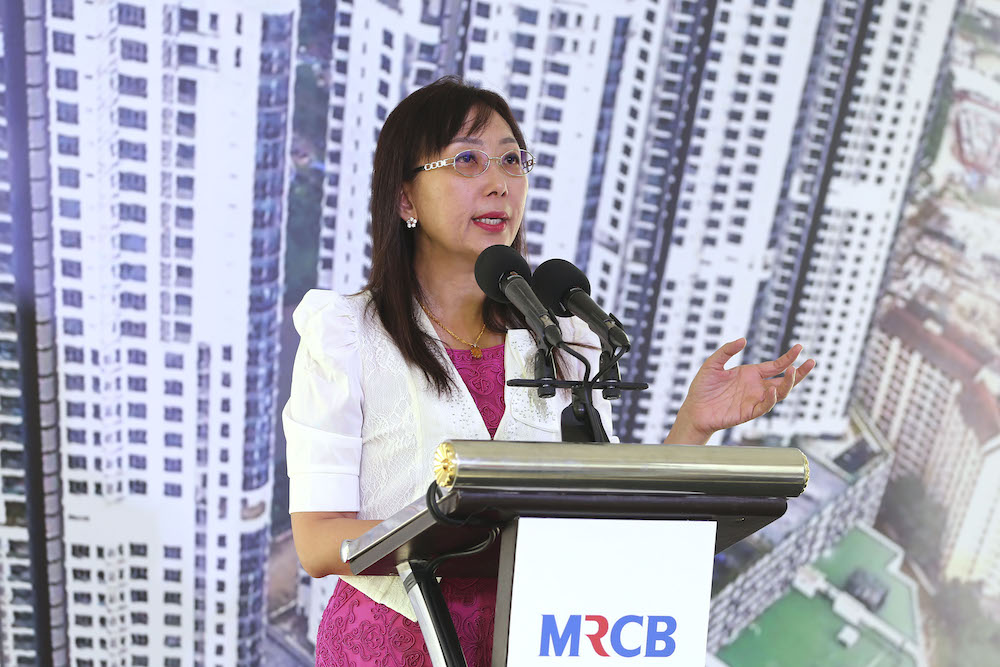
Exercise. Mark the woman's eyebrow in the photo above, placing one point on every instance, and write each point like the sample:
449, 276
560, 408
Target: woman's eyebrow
479, 142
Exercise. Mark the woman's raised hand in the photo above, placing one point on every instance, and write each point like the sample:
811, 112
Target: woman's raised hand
720, 398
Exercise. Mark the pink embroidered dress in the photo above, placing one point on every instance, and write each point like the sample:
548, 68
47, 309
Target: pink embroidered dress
357, 632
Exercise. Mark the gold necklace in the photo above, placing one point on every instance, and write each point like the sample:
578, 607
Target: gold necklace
476, 351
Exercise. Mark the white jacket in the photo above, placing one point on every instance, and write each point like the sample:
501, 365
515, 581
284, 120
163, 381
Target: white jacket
361, 424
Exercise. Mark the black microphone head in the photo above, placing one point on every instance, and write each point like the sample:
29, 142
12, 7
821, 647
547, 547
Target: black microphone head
553, 279
495, 263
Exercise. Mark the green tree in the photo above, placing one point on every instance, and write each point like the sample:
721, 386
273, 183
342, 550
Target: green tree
914, 519
963, 635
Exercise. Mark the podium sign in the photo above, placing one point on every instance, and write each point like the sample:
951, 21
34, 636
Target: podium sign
604, 592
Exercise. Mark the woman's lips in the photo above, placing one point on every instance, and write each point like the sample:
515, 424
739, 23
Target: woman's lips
490, 224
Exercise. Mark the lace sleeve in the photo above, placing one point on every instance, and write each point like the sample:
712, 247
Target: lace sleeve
322, 419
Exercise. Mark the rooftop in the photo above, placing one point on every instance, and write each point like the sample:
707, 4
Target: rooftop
835, 463
802, 627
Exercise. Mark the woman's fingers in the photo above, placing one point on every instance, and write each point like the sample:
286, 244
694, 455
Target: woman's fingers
787, 382
802, 371
769, 369
767, 404
719, 358
791, 377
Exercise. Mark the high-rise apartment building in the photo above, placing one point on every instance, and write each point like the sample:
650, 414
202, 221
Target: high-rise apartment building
169, 126
962, 475
786, 119
681, 147
874, 74
32, 576
535, 53
912, 376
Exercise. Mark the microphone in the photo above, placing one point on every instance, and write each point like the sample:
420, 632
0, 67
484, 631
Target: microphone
502, 274
565, 289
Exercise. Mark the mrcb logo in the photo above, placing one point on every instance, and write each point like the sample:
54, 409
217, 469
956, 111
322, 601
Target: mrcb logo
659, 636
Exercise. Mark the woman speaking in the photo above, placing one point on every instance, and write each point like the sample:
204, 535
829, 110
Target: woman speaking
420, 356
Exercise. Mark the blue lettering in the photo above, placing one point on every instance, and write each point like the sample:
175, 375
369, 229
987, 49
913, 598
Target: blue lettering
616, 636
570, 635
653, 635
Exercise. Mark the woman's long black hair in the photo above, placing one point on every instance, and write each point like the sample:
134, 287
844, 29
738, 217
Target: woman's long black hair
420, 127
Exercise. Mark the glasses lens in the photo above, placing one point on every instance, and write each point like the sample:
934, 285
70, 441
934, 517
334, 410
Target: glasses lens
517, 162
471, 162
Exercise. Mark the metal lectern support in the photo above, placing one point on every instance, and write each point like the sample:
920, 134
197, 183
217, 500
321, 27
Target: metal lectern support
432, 613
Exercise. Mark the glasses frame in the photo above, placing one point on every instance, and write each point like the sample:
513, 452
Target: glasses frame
450, 161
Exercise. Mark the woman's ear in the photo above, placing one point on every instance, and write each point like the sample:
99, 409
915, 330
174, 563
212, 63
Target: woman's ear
406, 208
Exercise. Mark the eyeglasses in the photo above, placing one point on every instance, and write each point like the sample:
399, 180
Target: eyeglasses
472, 163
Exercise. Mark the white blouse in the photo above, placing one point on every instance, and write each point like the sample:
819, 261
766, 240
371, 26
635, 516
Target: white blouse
362, 424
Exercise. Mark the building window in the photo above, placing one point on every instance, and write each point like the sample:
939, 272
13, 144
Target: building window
138, 487
69, 178
71, 269
62, 42
66, 79
185, 123
133, 329
187, 91
131, 212
172, 491
521, 66
189, 20
69, 238
476, 63
132, 15
187, 54
131, 118
136, 272
131, 181
62, 9
67, 113
556, 90
132, 85
132, 242
69, 208
479, 35
68, 145
131, 150
133, 50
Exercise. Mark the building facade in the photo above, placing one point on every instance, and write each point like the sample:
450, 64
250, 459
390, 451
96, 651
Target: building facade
169, 130
33, 622
706, 141
910, 381
848, 476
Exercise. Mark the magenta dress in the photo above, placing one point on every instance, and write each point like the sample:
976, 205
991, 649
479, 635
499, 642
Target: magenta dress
357, 632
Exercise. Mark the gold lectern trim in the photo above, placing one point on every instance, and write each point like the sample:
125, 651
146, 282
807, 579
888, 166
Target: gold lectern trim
445, 465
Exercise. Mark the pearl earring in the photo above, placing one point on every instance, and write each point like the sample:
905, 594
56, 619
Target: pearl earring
411, 222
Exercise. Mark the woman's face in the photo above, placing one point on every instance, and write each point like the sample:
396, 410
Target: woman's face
460, 216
